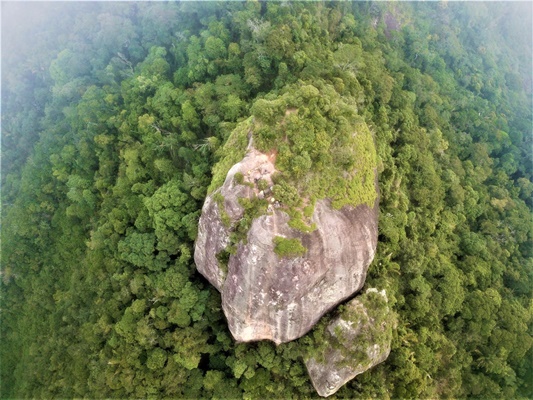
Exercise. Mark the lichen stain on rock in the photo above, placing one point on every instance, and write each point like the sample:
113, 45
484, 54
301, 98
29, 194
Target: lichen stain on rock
265, 296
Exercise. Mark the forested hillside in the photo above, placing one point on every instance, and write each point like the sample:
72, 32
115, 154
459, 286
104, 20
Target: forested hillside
113, 115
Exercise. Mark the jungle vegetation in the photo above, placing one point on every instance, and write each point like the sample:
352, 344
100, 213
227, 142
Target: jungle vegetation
113, 116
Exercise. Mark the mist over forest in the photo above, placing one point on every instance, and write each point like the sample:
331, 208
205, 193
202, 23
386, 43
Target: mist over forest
115, 117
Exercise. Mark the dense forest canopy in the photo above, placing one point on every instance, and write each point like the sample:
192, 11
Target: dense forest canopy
113, 116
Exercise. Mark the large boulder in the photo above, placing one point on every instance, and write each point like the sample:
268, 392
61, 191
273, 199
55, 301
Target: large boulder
356, 340
268, 295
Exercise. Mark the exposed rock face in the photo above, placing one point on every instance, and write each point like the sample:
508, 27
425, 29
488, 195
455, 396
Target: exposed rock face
354, 342
213, 234
265, 296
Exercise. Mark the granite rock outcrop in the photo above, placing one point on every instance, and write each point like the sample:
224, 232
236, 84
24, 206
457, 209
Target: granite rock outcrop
273, 297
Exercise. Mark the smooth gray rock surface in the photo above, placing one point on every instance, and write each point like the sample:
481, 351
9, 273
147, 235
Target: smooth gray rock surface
265, 296
357, 340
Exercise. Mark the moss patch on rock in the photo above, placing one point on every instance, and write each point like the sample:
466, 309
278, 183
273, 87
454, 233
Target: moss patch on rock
284, 247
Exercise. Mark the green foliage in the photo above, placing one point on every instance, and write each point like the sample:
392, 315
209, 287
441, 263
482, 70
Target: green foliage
287, 194
239, 178
253, 208
284, 247
156, 359
138, 249
232, 152
324, 150
223, 259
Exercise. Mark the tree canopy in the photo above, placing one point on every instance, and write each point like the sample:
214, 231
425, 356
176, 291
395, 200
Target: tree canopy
114, 115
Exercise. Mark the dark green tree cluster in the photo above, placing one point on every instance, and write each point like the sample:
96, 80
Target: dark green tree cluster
113, 116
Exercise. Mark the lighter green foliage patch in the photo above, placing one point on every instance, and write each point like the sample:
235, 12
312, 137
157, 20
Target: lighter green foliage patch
231, 153
284, 247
